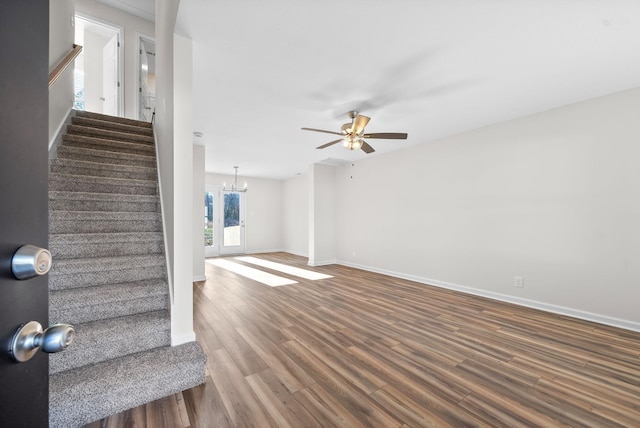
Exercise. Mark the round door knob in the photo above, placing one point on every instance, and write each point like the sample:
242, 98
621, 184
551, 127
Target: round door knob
57, 338
30, 261
30, 337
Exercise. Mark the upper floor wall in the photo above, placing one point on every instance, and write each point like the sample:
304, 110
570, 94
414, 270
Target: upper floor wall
134, 27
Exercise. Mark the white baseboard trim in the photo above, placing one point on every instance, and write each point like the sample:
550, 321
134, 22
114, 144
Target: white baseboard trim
182, 338
547, 307
199, 278
321, 263
264, 251
56, 138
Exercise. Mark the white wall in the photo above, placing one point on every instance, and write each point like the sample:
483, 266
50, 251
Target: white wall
61, 34
263, 231
322, 186
173, 128
295, 215
198, 213
132, 25
551, 197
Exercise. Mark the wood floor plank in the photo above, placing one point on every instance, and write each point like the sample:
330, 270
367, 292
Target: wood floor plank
205, 407
362, 349
354, 400
290, 373
242, 406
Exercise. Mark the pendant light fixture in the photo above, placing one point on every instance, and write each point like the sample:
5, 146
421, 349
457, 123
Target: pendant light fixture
234, 186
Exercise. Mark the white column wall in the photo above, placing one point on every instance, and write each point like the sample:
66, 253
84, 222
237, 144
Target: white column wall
198, 213
295, 215
182, 305
322, 213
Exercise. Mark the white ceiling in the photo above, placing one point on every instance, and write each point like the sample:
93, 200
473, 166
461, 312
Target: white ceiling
432, 68
145, 9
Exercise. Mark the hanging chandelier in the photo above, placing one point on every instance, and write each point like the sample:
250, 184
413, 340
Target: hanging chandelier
234, 186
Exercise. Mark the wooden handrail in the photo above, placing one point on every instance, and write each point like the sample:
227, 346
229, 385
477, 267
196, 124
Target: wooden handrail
62, 66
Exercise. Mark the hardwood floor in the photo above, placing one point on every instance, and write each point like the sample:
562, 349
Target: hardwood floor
366, 350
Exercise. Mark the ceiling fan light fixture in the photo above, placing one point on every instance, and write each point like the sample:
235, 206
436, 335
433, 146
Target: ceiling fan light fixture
352, 134
352, 142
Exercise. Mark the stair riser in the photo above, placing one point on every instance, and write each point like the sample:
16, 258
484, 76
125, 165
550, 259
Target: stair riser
105, 157
82, 354
108, 135
112, 126
61, 251
109, 173
112, 146
60, 281
106, 226
108, 206
126, 188
108, 310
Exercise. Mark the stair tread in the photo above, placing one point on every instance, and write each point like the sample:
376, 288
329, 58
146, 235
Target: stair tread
92, 392
117, 119
97, 341
108, 134
123, 197
103, 153
56, 176
98, 264
80, 238
99, 165
111, 125
104, 215
117, 146
115, 329
103, 294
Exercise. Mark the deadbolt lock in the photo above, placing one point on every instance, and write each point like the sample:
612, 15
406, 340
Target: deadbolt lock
30, 261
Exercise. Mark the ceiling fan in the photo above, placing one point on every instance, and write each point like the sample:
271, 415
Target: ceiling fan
353, 135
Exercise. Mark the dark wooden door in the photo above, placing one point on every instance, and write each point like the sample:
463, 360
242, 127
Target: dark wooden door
24, 99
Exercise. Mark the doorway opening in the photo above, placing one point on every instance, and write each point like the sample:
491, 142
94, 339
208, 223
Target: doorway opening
224, 222
97, 72
146, 99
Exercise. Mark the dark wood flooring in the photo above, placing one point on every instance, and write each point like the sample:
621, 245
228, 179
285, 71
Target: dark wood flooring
368, 350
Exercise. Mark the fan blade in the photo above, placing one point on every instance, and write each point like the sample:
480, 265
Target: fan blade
359, 122
329, 144
366, 147
387, 135
321, 130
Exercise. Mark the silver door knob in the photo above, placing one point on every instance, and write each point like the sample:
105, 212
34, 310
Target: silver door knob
30, 261
30, 337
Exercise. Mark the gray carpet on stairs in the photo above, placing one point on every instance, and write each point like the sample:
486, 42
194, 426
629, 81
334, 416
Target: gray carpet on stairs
109, 277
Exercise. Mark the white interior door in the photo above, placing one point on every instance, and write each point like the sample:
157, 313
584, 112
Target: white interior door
110, 77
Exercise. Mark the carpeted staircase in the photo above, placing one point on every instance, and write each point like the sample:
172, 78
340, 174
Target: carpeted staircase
108, 275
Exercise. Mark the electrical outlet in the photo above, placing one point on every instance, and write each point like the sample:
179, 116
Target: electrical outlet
518, 281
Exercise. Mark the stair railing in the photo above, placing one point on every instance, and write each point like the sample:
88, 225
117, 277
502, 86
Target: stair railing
62, 65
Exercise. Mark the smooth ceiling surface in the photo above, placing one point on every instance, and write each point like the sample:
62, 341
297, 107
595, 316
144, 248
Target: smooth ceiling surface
263, 70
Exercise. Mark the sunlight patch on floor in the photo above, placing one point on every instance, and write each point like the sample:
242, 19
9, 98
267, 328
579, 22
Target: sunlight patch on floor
290, 270
251, 273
